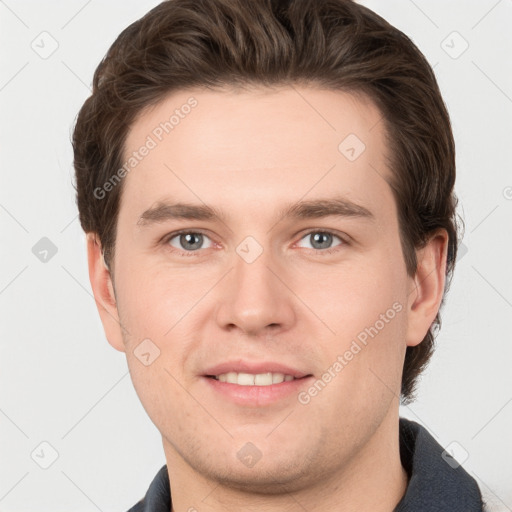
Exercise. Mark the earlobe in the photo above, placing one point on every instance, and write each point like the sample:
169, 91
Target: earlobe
103, 290
427, 288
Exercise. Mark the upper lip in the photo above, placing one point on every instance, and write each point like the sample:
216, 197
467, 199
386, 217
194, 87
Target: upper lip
254, 368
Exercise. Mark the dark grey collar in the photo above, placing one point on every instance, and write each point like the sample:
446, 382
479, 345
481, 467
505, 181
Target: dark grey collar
436, 482
435, 485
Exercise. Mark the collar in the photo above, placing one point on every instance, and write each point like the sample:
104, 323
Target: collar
436, 482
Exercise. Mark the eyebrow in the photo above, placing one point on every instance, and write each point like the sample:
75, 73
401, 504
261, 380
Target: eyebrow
310, 209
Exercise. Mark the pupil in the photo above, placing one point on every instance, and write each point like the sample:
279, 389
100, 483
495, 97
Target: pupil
187, 240
322, 239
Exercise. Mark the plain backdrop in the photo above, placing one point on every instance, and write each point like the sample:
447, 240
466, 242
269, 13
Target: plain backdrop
66, 399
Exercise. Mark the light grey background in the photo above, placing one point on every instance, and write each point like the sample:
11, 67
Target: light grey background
62, 384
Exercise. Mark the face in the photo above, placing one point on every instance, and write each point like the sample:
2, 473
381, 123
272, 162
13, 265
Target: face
260, 282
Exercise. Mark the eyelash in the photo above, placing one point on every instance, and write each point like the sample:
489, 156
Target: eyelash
322, 252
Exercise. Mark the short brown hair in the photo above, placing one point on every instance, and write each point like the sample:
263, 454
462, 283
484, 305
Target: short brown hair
334, 44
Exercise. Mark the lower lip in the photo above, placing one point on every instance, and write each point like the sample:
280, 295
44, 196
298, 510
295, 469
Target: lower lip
257, 395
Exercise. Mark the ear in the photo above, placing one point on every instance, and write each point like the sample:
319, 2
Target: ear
427, 289
103, 290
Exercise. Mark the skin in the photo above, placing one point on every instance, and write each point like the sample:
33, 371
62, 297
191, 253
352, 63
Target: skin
252, 153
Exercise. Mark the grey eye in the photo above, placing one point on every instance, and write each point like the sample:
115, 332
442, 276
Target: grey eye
320, 239
189, 241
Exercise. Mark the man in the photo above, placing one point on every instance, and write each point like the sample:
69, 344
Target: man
267, 192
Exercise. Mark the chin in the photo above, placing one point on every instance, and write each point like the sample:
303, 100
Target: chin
263, 480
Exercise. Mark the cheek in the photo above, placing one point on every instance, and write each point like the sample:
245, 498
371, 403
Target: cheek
153, 299
353, 296
163, 314
365, 309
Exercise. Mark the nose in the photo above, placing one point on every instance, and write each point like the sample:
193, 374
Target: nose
255, 298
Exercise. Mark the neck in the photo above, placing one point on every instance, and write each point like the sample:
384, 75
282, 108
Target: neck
374, 480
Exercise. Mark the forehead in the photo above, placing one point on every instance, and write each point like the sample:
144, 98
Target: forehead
256, 145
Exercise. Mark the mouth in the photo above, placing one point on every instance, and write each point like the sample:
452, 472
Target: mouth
250, 379
251, 384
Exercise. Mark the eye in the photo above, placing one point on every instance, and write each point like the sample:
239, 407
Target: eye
193, 241
321, 240
189, 241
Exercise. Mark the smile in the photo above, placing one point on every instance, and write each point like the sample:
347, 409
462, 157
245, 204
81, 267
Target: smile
249, 379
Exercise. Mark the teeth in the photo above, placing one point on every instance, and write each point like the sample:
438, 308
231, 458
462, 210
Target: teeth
277, 378
249, 379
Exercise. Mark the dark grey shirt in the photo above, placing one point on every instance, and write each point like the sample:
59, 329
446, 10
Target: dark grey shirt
436, 482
